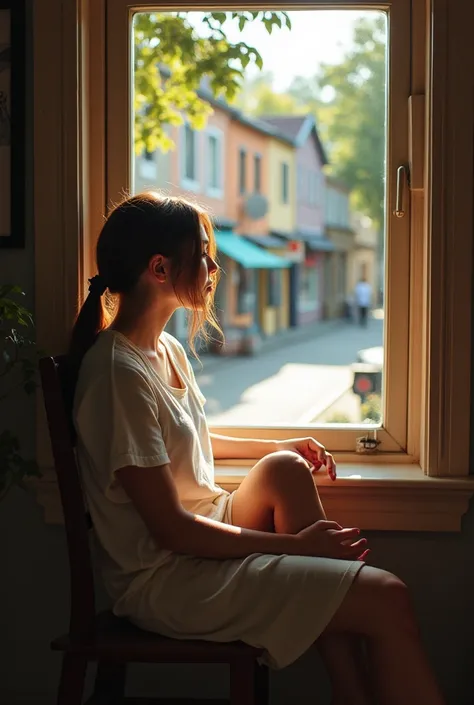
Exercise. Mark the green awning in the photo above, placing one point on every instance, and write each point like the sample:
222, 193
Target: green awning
247, 254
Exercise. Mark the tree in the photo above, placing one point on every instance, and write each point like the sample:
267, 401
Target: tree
258, 97
171, 59
354, 118
351, 121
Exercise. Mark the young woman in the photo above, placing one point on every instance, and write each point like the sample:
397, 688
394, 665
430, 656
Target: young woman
180, 555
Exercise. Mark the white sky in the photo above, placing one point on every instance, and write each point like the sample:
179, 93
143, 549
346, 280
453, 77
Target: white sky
316, 36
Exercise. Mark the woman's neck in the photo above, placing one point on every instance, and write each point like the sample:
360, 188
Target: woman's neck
142, 326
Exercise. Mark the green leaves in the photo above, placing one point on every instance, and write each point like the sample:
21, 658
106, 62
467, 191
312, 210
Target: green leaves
18, 367
10, 309
172, 57
351, 123
356, 117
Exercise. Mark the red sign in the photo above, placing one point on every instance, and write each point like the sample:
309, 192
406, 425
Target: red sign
363, 384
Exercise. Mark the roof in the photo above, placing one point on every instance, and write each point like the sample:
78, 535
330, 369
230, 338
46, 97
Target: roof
255, 123
298, 128
265, 240
290, 125
248, 255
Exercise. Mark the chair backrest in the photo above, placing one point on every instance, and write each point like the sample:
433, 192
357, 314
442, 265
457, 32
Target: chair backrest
55, 381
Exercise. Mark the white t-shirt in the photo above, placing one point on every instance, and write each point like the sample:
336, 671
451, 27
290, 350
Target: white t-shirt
125, 414
363, 294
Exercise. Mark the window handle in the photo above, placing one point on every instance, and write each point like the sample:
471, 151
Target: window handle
399, 211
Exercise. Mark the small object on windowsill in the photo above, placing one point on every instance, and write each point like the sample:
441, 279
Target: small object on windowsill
367, 444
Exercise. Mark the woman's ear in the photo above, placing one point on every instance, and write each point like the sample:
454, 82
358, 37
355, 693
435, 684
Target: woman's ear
158, 267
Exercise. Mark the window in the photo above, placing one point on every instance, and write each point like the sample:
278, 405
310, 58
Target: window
242, 171
245, 290
274, 287
189, 158
305, 307
285, 178
147, 165
215, 157
257, 173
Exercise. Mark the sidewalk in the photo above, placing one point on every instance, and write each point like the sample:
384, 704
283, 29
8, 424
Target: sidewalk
209, 362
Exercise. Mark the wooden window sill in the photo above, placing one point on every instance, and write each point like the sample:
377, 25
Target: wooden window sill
382, 497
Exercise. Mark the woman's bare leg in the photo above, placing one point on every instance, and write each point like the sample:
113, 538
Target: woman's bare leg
280, 495
378, 607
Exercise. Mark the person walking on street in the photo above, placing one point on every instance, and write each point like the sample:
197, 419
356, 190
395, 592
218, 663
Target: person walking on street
363, 299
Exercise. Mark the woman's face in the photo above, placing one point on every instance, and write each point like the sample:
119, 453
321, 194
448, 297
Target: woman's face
208, 268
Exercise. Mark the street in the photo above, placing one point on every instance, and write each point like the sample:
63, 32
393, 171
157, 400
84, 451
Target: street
295, 384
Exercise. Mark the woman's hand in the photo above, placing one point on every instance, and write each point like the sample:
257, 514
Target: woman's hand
313, 452
330, 540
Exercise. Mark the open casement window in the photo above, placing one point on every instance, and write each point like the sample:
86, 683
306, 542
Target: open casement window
392, 435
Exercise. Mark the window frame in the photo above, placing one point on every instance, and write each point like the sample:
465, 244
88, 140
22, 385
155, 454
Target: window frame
71, 146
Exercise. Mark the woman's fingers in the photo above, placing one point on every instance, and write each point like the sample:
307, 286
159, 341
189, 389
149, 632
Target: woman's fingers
346, 535
331, 466
354, 550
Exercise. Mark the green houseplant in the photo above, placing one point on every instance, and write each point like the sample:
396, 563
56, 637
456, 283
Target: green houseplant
18, 365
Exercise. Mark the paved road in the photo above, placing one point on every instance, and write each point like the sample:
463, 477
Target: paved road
291, 385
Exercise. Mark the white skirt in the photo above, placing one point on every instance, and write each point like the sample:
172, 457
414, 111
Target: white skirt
279, 603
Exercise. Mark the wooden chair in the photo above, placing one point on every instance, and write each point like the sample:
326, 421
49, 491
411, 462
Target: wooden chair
105, 639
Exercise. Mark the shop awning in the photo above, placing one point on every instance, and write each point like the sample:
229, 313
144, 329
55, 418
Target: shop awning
317, 241
319, 244
250, 256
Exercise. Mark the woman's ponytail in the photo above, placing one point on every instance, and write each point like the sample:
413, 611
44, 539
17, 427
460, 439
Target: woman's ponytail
91, 319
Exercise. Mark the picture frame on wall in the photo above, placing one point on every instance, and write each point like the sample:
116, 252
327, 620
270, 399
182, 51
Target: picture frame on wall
12, 123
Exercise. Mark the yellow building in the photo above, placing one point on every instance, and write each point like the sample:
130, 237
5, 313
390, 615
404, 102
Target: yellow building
282, 186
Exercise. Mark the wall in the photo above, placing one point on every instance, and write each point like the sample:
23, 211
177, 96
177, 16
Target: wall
254, 142
310, 214
282, 216
169, 167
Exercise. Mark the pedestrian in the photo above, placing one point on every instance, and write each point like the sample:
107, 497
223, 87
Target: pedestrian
180, 555
363, 299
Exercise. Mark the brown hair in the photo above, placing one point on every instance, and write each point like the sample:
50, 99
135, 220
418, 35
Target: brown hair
137, 229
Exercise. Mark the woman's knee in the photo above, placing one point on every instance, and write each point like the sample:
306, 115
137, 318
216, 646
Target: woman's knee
377, 603
284, 466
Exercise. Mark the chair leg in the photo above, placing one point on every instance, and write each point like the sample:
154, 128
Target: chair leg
109, 687
262, 684
71, 685
242, 683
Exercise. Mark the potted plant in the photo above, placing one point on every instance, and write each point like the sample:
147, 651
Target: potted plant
18, 365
